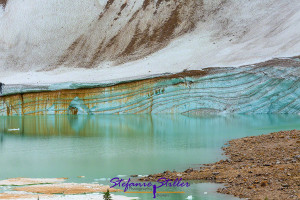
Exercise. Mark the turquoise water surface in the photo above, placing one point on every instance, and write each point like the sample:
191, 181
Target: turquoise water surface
106, 146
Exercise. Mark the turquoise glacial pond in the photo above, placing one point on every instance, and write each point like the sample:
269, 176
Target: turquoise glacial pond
105, 146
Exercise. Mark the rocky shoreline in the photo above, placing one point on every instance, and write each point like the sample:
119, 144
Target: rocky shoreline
258, 167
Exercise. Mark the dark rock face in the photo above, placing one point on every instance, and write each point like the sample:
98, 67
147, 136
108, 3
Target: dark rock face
1, 84
3, 3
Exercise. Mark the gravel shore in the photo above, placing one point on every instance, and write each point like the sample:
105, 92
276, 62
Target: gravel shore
260, 167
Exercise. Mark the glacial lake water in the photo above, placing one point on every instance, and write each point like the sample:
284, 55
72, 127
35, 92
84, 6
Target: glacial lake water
106, 146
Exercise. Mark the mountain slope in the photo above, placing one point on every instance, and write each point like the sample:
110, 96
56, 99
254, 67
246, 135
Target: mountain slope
46, 41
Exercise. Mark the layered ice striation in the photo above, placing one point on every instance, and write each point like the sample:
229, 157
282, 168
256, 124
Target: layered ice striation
269, 87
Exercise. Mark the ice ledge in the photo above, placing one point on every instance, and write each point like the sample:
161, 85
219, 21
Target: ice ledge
265, 88
290, 68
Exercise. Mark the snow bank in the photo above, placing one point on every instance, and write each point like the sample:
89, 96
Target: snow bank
49, 41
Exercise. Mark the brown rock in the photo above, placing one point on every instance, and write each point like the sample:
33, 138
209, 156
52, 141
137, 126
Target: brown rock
264, 183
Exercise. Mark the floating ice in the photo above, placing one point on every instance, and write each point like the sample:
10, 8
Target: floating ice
13, 129
100, 179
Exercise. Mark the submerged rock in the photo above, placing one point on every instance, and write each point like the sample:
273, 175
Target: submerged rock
67, 188
29, 196
30, 181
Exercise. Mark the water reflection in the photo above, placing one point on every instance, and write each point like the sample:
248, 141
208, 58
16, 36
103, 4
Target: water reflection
111, 145
97, 125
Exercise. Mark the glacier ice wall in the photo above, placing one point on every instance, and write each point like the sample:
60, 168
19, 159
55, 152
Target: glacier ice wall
270, 87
